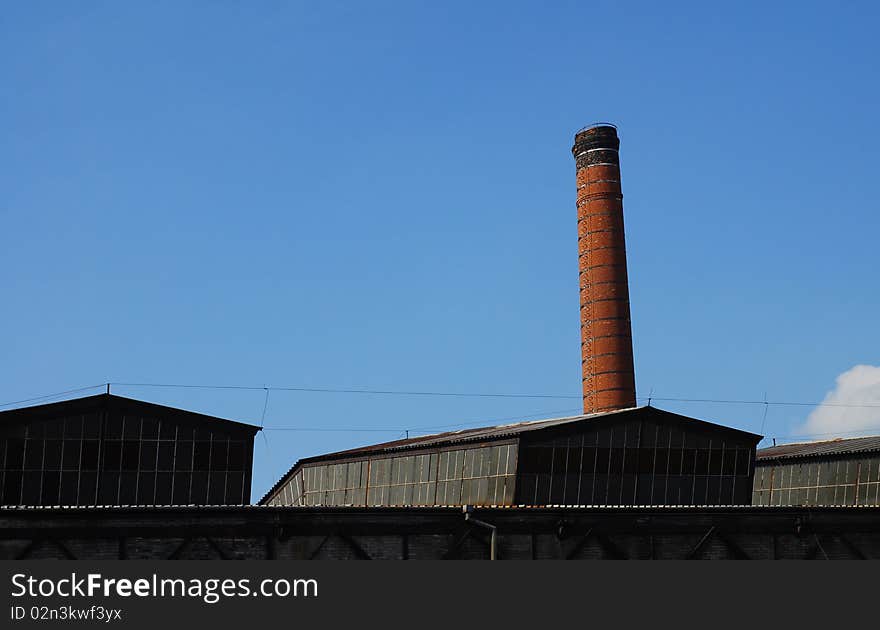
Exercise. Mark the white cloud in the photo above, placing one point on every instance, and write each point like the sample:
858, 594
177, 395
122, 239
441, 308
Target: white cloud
859, 385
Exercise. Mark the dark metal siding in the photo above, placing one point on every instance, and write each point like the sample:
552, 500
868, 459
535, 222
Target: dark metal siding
116, 454
639, 462
844, 480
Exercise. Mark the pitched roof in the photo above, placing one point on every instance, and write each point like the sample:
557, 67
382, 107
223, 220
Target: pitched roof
499, 432
97, 402
837, 446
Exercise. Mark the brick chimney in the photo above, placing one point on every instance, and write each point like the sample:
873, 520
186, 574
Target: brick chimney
606, 333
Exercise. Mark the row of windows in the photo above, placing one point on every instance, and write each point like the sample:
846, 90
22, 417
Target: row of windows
51, 454
116, 427
844, 494
543, 459
126, 488
643, 435
589, 489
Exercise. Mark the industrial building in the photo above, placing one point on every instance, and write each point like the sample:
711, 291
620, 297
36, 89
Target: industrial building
111, 450
640, 456
108, 477
829, 472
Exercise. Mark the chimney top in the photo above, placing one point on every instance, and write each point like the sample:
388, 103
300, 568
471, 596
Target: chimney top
596, 136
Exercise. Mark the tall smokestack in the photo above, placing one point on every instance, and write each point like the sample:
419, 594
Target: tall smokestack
606, 333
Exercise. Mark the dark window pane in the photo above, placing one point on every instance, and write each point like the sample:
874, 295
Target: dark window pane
88, 481
616, 466
559, 460
713, 490
661, 461
217, 492
54, 428
69, 483
630, 461
742, 461
702, 465
12, 488
163, 488
131, 427
573, 465
112, 455
150, 429
91, 427
628, 490
128, 488
526, 489
688, 461
201, 455
33, 454
571, 488
89, 456
73, 427
199, 493
183, 458
167, 430
35, 431
130, 454
113, 428
675, 456
202, 434
236, 455
700, 486
603, 456
588, 462
614, 482
234, 488
181, 488
52, 455
646, 461
600, 490
148, 455
146, 487
51, 486
166, 456
728, 464
31, 488
14, 454
727, 497
715, 461
108, 491
643, 493
586, 493
219, 451
70, 460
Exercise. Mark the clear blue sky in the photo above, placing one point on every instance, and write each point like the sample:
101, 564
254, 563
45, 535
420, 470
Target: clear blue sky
381, 195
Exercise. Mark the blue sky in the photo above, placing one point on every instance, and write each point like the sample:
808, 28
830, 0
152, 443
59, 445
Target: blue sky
381, 195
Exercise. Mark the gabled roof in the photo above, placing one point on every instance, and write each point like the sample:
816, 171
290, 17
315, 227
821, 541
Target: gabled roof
837, 446
507, 431
112, 402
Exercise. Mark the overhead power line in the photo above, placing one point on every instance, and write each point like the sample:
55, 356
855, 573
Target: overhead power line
395, 392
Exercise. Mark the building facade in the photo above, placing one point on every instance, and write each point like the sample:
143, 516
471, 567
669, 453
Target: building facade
830, 472
639, 456
111, 450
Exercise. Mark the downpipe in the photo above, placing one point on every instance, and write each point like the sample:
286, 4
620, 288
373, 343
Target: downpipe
493, 530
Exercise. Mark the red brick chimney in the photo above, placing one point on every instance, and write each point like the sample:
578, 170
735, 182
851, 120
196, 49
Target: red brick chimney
606, 333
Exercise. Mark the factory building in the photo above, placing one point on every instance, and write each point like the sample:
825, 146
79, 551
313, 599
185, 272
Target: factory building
111, 450
639, 456
830, 472
614, 454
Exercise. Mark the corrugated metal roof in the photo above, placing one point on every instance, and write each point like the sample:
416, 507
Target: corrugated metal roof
837, 446
100, 401
498, 432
